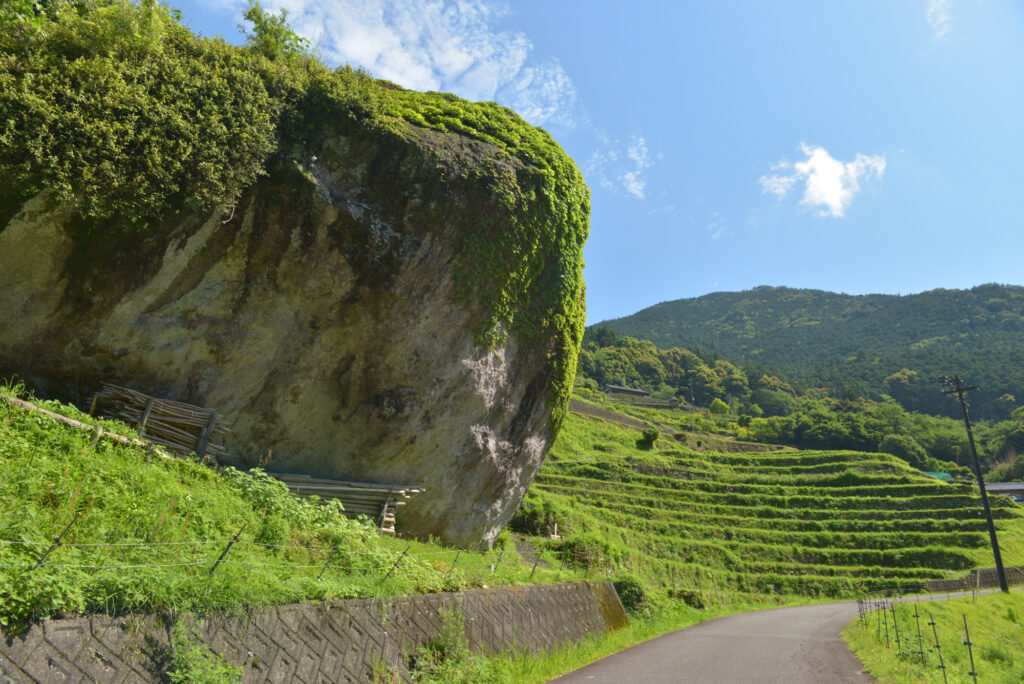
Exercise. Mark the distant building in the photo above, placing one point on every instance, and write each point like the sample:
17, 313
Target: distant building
1014, 490
628, 391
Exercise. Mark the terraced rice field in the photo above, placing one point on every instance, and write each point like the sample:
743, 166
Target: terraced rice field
819, 523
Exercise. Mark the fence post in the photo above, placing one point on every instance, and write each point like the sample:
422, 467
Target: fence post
938, 647
970, 651
334, 552
896, 628
878, 623
453, 564
231, 543
57, 541
385, 578
920, 643
885, 619
537, 560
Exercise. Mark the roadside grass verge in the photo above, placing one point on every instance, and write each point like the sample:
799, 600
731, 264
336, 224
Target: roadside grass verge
996, 624
529, 668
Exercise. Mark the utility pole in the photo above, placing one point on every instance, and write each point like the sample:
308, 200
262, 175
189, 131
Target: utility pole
692, 408
958, 388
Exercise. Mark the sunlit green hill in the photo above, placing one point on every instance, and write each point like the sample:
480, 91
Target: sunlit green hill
858, 345
796, 522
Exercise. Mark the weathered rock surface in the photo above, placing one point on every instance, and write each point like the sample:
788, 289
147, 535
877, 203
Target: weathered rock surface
322, 318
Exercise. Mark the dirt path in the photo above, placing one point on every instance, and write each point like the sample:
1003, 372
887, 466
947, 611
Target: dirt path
795, 645
529, 554
700, 441
595, 412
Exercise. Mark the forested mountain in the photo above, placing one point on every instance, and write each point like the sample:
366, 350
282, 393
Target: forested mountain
857, 345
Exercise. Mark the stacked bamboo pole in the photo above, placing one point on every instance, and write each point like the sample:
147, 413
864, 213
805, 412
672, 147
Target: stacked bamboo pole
375, 500
181, 428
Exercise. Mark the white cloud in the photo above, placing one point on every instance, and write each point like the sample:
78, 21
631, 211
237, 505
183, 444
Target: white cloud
776, 184
717, 227
939, 16
618, 169
447, 45
829, 184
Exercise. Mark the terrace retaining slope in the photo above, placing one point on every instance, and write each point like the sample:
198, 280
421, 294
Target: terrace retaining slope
331, 641
699, 442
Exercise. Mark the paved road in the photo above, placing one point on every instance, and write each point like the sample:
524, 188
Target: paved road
799, 645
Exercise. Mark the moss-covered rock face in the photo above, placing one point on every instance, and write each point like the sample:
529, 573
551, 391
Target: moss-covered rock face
397, 297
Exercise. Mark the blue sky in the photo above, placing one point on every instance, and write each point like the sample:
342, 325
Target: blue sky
857, 147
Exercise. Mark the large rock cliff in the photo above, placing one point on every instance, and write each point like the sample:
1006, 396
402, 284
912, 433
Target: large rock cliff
389, 302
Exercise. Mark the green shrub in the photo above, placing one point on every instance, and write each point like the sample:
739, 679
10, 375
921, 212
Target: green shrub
271, 35
647, 439
907, 448
192, 663
632, 594
443, 657
537, 516
719, 407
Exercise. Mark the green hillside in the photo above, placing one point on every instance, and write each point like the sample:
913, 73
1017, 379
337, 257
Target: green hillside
864, 345
813, 523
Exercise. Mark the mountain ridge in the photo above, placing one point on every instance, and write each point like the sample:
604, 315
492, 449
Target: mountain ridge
867, 345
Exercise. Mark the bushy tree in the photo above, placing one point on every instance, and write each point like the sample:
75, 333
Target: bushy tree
718, 407
648, 438
271, 36
906, 448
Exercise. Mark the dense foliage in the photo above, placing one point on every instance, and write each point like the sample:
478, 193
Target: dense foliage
122, 111
858, 346
746, 402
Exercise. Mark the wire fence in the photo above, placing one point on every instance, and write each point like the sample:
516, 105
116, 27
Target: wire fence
45, 554
905, 637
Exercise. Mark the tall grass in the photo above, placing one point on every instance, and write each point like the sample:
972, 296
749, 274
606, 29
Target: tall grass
996, 625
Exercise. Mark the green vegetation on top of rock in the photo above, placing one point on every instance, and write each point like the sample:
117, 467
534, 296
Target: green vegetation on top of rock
122, 112
857, 346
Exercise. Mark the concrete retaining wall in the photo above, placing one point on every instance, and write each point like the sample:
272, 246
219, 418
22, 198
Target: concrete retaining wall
985, 578
332, 641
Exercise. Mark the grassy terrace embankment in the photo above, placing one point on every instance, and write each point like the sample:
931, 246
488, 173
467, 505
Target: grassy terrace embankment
819, 523
150, 529
997, 640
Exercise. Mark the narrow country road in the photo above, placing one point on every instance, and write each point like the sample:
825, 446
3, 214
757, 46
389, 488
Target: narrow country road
798, 645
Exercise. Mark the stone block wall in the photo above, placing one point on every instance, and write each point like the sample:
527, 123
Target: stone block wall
331, 641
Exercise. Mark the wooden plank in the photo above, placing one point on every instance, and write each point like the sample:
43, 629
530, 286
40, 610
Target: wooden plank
293, 477
204, 438
145, 416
